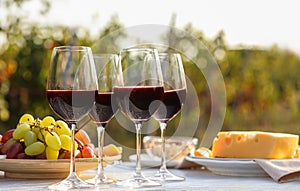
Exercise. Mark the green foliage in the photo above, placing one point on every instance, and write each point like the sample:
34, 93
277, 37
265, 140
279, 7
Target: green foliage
262, 85
261, 82
24, 60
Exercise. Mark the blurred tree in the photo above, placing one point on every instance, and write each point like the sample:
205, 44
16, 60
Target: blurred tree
24, 58
17, 73
109, 36
262, 84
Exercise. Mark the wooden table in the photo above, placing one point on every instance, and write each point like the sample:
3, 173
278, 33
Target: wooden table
197, 179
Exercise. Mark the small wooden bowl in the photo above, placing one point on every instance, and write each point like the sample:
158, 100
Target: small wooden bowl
45, 169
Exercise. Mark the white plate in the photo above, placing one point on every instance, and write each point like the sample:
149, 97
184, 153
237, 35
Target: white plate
148, 161
229, 167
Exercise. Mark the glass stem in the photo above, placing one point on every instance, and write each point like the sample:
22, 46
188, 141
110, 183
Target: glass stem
138, 173
72, 152
163, 167
100, 170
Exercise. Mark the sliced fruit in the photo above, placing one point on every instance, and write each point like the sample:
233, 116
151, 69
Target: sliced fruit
87, 152
203, 152
83, 137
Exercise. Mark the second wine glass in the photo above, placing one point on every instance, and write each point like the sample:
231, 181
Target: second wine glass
139, 86
102, 112
173, 98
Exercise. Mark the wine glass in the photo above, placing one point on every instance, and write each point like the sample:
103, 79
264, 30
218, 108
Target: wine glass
136, 92
71, 88
102, 112
173, 98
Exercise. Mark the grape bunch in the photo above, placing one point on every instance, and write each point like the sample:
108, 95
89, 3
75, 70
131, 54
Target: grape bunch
44, 139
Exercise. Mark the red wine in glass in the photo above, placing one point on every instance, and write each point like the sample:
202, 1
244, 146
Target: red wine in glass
135, 101
174, 96
71, 86
138, 87
103, 110
172, 102
71, 104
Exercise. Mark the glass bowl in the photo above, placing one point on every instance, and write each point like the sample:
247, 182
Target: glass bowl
177, 147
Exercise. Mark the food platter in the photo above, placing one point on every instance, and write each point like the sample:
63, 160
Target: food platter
228, 166
33, 168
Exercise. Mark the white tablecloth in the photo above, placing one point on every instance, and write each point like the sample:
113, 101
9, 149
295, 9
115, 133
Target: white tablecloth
197, 179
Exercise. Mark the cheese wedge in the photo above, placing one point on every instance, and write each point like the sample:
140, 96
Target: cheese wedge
254, 144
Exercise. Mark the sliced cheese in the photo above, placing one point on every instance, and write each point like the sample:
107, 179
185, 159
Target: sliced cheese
255, 144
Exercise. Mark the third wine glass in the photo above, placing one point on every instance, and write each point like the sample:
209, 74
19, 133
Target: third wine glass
140, 85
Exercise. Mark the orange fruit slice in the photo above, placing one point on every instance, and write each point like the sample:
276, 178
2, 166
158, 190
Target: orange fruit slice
203, 152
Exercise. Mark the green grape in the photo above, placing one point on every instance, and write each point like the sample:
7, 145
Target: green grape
36, 148
66, 142
52, 140
61, 127
29, 138
42, 134
36, 130
26, 118
20, 131
51, 154
47, 122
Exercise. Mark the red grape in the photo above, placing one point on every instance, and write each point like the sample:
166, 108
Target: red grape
14, 150
7, 145
7, 135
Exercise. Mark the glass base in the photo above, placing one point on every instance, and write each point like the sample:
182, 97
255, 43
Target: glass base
138, 183
71, 182
166, 175
97, 180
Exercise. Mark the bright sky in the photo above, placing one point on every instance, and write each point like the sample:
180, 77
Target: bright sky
255, 22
